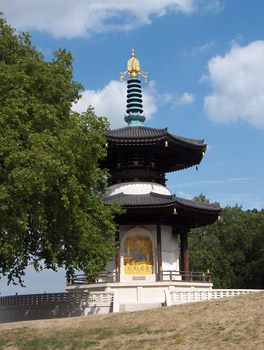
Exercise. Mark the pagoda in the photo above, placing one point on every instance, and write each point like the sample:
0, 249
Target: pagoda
152, 254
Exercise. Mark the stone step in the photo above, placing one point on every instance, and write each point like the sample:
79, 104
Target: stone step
129, 307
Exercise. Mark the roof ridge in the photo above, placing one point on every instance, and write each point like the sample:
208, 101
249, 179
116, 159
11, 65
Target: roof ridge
154, 199
185, 201
138, 132
187, 139
134, 129
162, 195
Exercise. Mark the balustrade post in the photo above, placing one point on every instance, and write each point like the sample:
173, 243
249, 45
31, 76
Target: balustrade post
70, 280
191, 276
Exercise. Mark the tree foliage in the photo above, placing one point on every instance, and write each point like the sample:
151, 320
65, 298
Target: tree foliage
232, 248
51, 208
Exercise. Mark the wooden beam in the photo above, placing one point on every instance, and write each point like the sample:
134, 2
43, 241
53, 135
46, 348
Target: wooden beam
184, 253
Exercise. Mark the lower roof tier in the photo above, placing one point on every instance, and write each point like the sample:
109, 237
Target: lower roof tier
155, 208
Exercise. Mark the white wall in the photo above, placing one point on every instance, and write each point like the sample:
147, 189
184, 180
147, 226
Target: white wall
57, 305
169, 247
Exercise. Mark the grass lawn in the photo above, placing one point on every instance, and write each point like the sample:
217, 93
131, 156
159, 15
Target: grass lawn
231, 323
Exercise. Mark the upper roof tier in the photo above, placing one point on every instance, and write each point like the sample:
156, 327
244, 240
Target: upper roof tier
145, 154
139, 153
143, 134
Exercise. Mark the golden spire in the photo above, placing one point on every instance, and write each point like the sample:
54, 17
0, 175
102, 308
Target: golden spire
133, 69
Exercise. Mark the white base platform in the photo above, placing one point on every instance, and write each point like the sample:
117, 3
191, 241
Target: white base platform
139, 295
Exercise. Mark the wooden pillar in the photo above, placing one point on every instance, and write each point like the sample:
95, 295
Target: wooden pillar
159, 274
184, 253
117, 257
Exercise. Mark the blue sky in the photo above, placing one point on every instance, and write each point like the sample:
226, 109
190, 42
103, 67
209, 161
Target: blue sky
204, 60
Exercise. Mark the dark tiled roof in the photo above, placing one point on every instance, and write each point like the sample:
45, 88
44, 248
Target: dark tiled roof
136, 132
157, 200
187, 140
198, 205
141, 200
142, 132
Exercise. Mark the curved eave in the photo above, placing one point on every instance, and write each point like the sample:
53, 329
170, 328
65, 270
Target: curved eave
142, 200
155, 206
141, 135
179, 152
156, 199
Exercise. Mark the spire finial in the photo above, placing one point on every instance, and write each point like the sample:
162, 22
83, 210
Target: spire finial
133, 68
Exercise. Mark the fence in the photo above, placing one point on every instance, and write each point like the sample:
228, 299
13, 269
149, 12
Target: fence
190, 276
192, 296
53, 305
107, 277
166, 275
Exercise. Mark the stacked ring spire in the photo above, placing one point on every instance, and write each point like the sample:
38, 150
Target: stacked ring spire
134, 116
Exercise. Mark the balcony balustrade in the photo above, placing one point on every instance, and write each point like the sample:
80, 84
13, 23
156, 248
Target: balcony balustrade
169, 275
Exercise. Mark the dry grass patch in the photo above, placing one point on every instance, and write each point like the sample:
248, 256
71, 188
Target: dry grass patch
236, 323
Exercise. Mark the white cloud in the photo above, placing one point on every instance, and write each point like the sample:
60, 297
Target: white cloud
186, 98
201, 49
215, 182
161, 98
246, 200
164, 98
184, 195
211, 6
67, 18
110, 102
237, 80
238, 38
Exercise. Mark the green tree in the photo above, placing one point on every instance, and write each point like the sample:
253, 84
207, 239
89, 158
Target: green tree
225, 247
51, 187
253, 270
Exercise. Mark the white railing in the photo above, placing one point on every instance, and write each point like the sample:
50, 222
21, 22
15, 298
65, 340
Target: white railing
55, 299
191, 276
50, 305
192, 296
105, 277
